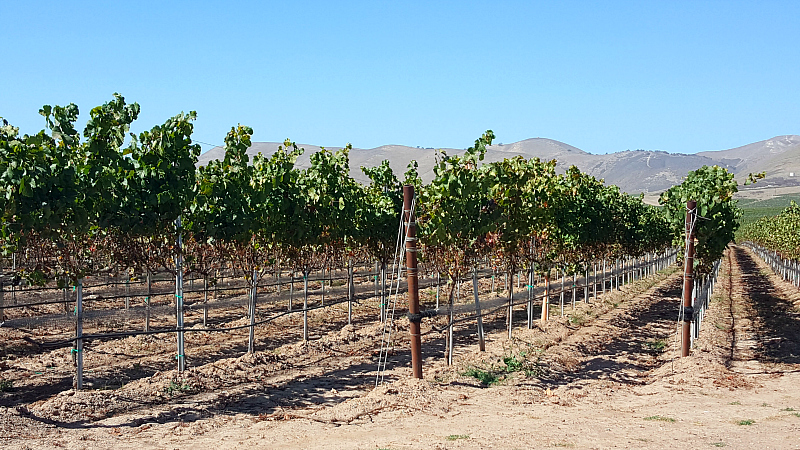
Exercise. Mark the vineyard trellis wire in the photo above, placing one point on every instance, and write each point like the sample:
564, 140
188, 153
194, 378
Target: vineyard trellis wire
465, 312
364, 292
73, 210
787, 269
776, 240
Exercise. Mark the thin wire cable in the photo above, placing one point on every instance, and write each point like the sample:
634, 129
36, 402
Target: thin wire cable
399, 259
196, 330
261, 322
383, 356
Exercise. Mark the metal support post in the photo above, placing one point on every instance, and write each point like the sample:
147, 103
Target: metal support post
688, 277
413, 281
181, 357
79, 334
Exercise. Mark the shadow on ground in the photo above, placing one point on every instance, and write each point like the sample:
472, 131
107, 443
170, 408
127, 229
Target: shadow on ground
778, 320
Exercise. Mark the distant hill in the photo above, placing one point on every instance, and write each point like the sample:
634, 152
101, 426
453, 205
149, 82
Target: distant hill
640, 171
779, 157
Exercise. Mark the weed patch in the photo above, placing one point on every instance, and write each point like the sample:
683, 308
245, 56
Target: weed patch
578, 319
486, 377
176, 387
510, 364
655, 345
513, 364
661, 418
455, 437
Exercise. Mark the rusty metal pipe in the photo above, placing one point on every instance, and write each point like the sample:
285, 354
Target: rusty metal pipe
413, 281
688, 276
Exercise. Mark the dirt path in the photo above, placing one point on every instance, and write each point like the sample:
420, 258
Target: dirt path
604, 376
766, 316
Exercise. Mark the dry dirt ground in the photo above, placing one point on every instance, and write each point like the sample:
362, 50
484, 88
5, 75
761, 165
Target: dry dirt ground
605, 375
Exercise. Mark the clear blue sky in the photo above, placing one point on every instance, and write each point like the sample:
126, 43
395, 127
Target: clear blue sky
602, 76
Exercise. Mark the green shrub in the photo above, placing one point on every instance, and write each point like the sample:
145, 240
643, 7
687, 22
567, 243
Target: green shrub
484, 376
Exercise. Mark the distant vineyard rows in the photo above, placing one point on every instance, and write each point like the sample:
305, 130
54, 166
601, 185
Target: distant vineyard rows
779, 233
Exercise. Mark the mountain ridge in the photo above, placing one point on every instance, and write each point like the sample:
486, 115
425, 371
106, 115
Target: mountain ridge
634, 171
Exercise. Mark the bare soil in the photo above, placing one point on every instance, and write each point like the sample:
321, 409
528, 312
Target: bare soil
607, 374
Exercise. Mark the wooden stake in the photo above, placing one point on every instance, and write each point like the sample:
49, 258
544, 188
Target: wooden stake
438, 286
63, 297
481, 342
147, 302
79, 334
510, 302
305, 304
546, 299
574, 277
350, 291
450, 332
561, 297
205, 301
603, 278
384, 300
291, 289
251, 342
530, 297
586, 285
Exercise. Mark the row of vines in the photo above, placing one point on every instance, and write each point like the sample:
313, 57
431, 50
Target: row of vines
109, 201
780, 233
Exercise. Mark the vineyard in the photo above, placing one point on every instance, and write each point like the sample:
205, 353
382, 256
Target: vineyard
141, 289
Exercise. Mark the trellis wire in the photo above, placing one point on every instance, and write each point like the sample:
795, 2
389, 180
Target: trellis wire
399, 253
468, 310
787, 269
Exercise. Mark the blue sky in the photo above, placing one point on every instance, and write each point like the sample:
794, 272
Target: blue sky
602, 76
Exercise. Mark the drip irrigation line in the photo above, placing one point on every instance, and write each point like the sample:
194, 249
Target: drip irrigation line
49, 302
186, 291
177, 330
159, 309
88, 296
238, 301
97, 297
502, 303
